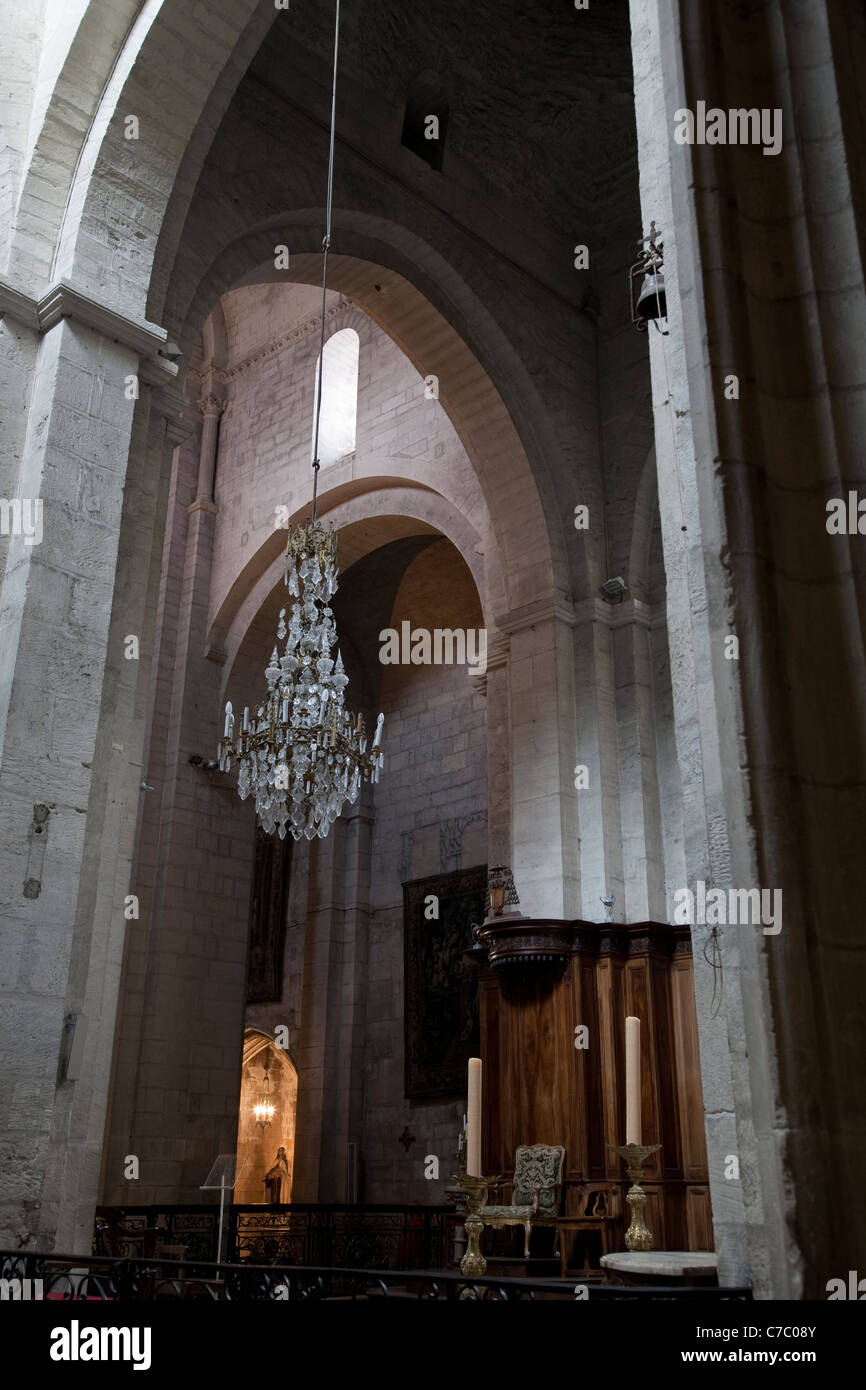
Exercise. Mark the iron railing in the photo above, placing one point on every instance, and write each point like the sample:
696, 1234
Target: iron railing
317, 1234
101, 1278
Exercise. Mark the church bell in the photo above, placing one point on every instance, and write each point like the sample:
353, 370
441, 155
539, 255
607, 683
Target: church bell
651, 302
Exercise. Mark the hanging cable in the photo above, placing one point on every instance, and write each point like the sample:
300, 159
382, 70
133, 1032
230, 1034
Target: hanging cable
326, 246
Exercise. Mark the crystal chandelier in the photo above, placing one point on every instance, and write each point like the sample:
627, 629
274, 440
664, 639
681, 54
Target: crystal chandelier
265, 1110
303, 755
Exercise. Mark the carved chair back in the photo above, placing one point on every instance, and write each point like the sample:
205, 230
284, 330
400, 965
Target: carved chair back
539, 1165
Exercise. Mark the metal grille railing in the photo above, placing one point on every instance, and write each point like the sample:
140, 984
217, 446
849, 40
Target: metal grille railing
101, 1278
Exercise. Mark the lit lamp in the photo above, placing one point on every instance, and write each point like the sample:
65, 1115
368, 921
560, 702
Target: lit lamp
264, 1111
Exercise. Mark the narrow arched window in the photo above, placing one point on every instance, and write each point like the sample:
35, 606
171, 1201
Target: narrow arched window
339, 397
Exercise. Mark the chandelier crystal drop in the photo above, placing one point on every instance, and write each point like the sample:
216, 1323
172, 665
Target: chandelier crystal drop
303, 755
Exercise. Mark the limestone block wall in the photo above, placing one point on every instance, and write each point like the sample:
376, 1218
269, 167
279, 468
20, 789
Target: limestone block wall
766, 252
266, 429
430, 818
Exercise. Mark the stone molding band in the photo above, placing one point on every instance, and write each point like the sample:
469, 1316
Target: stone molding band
64, 301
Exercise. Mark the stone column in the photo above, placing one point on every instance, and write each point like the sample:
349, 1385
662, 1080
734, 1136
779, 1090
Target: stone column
211, 404
694, 624
318, 1023
495, 686
642, 850
68, 741
599, 849
78, 1129
758, 395
181, 1060
543, 797
348, 1057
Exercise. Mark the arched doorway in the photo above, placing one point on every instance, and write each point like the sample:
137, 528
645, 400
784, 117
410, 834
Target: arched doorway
261, 1146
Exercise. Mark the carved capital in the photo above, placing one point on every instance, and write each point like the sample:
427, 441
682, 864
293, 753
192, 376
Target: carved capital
211, 404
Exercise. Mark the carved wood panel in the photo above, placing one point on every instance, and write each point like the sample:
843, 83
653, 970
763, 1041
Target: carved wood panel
539, 1088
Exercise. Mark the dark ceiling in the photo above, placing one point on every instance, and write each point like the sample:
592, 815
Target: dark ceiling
539, 95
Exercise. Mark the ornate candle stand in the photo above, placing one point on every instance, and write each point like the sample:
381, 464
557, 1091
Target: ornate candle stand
638, 1236
473, 1261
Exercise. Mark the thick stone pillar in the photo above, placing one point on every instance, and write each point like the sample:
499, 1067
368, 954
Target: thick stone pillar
178, 1069
70, 740
761, 254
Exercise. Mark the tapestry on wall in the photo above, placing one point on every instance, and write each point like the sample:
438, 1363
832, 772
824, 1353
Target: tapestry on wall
441, 985
268, 919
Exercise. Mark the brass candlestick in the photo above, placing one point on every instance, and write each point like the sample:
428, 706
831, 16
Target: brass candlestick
638, 1236
473, 1261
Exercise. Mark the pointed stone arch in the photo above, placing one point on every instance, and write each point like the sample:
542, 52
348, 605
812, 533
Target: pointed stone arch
259, 1145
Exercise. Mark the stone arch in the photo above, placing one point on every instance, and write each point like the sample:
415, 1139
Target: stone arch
365, 521
259, 1149
146, 208
345, 315
127, 205
533, 551
102, 30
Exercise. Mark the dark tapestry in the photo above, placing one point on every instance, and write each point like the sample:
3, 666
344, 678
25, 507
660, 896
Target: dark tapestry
441, 985
268, 919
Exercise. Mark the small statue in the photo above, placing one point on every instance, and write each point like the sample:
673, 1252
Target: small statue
608, 906
276, 1175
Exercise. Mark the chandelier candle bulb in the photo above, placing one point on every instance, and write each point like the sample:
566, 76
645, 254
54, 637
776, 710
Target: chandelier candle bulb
632, 1081
473, 1124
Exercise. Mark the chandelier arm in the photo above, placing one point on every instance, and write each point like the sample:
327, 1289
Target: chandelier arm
326, 244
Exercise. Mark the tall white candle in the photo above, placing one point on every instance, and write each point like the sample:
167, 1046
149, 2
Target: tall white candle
473, 1119
632, 1081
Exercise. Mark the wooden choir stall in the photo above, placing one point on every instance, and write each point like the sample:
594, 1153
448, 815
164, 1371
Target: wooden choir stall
554, 997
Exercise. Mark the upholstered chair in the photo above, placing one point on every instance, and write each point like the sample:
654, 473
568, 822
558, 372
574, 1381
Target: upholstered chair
536, 1188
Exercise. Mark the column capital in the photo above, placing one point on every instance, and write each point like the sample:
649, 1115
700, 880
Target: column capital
211, 404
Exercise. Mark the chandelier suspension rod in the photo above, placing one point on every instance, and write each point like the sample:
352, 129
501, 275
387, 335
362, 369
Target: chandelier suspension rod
326, 244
